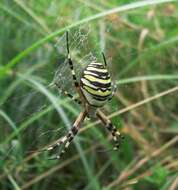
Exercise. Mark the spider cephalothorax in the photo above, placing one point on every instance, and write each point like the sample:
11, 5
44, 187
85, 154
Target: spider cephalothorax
94, 90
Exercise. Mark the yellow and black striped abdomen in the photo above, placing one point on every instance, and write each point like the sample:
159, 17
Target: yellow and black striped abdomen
96, 84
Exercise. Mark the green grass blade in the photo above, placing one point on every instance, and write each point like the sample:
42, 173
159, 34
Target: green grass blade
147, 78
12, 180
8, 119
49, 37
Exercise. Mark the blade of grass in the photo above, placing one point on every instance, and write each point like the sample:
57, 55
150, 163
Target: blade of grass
133, 106
36, 116
26, 123
144, 160
8, 119
56, 168
153, 50
13, 182
14, 14
168, 182
116, 113
49, 37
100, 172
124, 81
62, 114
33, 15
18, 82
147, 78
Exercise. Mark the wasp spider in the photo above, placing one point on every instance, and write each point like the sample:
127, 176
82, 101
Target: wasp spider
94, 90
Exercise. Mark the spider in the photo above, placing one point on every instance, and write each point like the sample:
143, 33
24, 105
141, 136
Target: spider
94, 90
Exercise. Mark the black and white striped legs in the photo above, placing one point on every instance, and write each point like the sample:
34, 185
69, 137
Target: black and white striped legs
111, 128
69, 95
67, 139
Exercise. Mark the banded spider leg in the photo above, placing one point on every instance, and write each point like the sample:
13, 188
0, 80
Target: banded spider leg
67, 139
111, 128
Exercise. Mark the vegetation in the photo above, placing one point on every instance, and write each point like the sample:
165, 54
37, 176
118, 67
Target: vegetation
140, 40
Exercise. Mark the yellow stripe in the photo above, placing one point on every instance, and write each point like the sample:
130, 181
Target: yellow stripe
93, 79
90, 68
97, 92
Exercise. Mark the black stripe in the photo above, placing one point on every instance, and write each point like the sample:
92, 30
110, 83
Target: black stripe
69, 95
84, 84
98, 84
70, 139
76, 84
100, 76
70, 63
109, 126
69, 135
74, 130
96, 88
96, 66
74, 77
99, 99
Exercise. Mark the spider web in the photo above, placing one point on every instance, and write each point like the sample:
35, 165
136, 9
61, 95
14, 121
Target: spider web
81, 56
83, 50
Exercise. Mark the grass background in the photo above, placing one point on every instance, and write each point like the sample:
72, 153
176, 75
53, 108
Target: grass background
140, 39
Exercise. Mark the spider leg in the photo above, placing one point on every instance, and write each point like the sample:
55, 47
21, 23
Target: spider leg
104, 58
72, 97
71, 63
67, 139
76, 84
69, 95
111, 128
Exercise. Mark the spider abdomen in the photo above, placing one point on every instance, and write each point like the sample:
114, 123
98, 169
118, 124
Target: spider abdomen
96, 84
